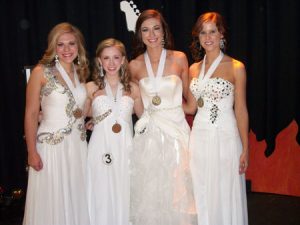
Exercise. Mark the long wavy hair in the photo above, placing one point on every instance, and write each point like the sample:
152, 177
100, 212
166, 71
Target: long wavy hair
138, 46
196, 50
123, 72
81, 60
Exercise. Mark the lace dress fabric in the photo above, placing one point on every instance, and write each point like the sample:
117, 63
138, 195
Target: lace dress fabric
57, 193
215, 147
161, 186
108, 153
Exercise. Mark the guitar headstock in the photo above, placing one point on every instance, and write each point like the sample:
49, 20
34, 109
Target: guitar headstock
131, 12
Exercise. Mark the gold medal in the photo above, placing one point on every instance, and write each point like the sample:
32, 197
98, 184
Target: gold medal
156, 100
200, 102
116, 128
77, 113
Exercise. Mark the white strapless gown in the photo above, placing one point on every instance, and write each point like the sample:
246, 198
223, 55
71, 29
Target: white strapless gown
161, 186
215, 147
56, 195
108, 177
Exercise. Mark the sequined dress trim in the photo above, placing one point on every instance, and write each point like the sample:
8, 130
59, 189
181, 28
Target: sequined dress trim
101, 117
56, 137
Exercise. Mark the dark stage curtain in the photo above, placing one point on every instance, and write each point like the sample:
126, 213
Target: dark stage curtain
262, 34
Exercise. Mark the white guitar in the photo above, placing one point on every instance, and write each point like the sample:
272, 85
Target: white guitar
131, 12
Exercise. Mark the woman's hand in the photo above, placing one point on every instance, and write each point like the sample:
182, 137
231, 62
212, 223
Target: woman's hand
35, 161
243, 162
89, 125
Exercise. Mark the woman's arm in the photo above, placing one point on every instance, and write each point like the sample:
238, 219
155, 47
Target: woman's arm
182, 61
32, 111
241, 112
190, 105
91, 88
138, 106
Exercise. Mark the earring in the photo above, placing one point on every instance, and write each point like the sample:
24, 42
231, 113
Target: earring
78, 61
163, 42
101, 73
56, 58
222, 44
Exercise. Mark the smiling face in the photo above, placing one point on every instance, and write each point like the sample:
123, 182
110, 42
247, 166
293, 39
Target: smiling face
66, 48
111, 60
210, 36
152, 32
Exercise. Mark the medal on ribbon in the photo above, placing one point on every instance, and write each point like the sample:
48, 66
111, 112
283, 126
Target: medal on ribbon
77, 113
156, 100
204, 77
200, 102
115, 104
116, 128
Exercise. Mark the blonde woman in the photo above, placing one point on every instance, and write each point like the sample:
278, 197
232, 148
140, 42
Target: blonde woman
57, 148
114, 99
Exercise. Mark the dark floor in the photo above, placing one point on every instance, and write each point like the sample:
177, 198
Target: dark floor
264, 209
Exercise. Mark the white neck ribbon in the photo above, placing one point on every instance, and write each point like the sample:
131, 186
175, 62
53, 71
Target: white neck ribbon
203, 78
68, 81
115, 101
160, 69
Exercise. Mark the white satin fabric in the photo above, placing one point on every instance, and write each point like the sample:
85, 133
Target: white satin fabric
108, 184
161, 186
215, 147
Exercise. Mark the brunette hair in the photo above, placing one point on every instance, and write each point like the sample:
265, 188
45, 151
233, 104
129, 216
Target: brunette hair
138, 45
195, 48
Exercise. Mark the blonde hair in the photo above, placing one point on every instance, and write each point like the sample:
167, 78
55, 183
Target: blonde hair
123, 72
81, 60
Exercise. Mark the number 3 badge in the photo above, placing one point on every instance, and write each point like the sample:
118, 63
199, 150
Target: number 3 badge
107, 158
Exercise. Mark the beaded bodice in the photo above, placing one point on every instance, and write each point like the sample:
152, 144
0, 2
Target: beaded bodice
217, 94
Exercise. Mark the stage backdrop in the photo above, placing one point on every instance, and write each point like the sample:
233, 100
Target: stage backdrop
262, 34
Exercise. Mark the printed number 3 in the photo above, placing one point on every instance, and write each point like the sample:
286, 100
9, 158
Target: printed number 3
107, 158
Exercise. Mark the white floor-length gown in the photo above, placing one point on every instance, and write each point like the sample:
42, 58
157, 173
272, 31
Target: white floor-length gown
108, 177
56, 195
215, 146
161, 186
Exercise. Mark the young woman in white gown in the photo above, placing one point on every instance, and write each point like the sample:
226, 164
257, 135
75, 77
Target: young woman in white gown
219, 136
161, 187
57, 148
114, 99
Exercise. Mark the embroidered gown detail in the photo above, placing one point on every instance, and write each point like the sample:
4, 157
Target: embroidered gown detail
56, 195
